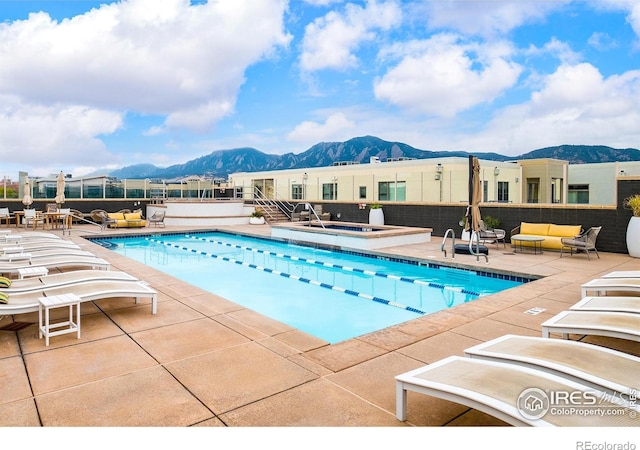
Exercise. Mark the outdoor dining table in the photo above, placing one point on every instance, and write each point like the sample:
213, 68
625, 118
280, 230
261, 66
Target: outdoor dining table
52, 219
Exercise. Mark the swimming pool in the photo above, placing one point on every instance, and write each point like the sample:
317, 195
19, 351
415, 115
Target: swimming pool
333, 295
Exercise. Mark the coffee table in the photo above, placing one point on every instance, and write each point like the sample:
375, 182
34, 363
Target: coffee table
519, 239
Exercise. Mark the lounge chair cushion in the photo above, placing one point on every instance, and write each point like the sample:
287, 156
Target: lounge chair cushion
4, 298
5, 282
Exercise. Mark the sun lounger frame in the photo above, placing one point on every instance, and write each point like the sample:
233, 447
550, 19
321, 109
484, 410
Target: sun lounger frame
588, 364
601, 286
602, 323
424, 381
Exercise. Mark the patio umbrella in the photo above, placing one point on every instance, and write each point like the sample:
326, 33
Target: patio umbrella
60, 188
475, 193
27, 200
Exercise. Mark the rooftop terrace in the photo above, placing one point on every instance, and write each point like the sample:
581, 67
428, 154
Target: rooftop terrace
207, 362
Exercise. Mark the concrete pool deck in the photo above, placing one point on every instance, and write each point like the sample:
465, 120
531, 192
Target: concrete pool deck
205, 361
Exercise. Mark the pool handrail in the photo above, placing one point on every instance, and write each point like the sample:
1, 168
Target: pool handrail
476, 235
453, 243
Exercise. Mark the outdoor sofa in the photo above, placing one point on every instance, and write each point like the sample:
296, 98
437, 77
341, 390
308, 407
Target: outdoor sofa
126, 220
552, 234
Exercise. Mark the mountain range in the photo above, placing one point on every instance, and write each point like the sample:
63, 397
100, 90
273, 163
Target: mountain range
221, 163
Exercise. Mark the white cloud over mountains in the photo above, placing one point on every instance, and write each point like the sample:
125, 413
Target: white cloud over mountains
165, 58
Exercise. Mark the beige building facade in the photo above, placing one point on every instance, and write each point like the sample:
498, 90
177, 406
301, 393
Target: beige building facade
441, 180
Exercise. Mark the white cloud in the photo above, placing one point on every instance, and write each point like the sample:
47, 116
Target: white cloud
576, 105
72, 80
331, 41
602, 41
443, 75
54, 135
486, 17
336, 127
632, 7
154, 57
322, 2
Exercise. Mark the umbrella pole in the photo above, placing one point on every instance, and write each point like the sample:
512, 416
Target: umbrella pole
470, 179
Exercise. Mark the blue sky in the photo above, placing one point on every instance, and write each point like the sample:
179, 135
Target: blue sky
87, 86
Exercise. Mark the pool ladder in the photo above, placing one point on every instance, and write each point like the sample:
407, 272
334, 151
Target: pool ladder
474, 235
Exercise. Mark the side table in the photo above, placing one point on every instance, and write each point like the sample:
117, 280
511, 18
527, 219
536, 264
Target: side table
58, 301
27, 272
10, 257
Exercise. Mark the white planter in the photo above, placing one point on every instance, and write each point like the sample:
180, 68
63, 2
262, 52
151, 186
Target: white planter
256, 220
376, 217
633, 237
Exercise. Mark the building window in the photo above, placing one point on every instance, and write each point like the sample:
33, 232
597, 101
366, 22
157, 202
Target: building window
556, 190
330, 191
296, 192
363, 192
503, 191
579, 193
392, 191
533, 190
485, 191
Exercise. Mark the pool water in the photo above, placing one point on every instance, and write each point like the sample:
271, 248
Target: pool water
332, 295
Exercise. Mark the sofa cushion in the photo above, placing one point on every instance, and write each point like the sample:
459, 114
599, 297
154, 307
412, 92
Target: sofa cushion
133, 216
539, 229
117, 216
564, 230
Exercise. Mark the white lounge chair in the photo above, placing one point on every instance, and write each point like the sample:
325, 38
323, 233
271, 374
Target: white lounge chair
502, 390
601, 286
38, 245
30, 237
628, 304
602, 323
62, 261
27, 302
603, 369
622, 274
35, 254
70, 278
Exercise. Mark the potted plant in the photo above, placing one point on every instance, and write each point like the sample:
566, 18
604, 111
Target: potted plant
257, 218
633, 227
376, 215
491, 222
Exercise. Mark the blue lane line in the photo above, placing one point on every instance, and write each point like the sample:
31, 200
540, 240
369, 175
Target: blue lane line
341, 267
292, 277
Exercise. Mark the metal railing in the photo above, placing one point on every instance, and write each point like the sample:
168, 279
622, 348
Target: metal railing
308, 207
475, 236
273, 208
66, 228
